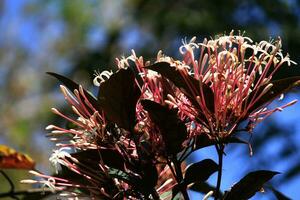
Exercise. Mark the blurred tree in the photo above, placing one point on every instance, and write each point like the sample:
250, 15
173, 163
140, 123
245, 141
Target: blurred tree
78, 37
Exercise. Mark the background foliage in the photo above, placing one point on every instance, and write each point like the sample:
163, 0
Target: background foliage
76, 37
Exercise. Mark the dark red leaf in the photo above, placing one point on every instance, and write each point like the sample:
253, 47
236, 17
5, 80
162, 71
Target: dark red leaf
203, 188
91, 158
203, 140
186, 83
249, 185
149, 177
118, 97
279, 87
71, 85
200, 171
89, 161
173, 130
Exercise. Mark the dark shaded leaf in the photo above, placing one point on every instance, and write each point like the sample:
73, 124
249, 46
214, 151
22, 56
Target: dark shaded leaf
186, 83
147, 171
249, 185
175, 190
144, 165
167, 87
118, 97
149, 177
279, 195
279, 87
91, 158
234, 140
203, 140
36, 195
133, 180
89, 162
71, 85
203, 188
100, 178
200, 171
172, 129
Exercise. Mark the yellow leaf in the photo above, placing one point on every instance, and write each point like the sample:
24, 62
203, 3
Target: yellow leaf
11, 159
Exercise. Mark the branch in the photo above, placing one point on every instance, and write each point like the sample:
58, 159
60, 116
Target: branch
13, 194
220, 149
179, 177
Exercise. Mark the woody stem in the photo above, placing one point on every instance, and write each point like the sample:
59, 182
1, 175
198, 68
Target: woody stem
220, 149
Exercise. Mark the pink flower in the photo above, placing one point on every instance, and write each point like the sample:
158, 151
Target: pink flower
88, 126
228, 82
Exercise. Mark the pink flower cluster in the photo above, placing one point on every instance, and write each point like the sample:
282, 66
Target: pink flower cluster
217, 84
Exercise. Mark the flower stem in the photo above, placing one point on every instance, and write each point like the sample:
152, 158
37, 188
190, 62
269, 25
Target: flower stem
155, 195
179, 178
220, 149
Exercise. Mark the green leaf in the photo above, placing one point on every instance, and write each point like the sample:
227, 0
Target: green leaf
200, 171
279, 87
173, 130
186, 83
71, 85
118, 97
128, 178
121, 175
249, 185
166, 194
